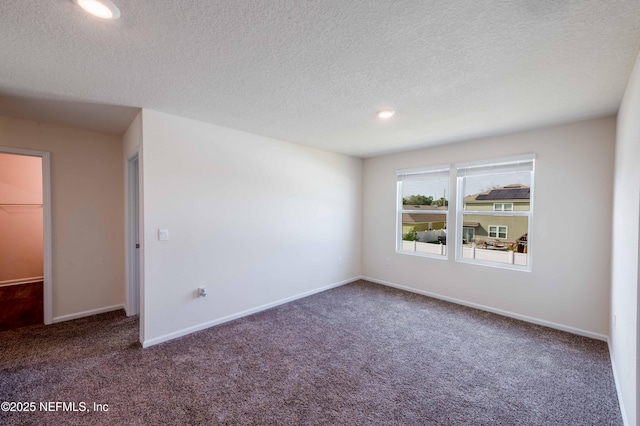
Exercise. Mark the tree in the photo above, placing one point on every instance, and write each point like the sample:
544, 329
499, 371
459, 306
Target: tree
441, 202
491, 187
412, 235
417, 200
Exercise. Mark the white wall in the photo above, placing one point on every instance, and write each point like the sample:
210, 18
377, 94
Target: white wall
625, 264
568, 287
254, 219
87, 212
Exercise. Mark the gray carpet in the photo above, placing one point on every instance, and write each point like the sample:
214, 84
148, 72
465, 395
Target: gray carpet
360, 354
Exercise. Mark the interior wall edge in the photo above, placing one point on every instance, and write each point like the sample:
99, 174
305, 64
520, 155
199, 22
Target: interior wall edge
616, 380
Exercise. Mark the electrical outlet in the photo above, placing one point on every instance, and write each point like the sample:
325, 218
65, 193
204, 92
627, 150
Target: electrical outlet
202, 291
387, 261
339, 261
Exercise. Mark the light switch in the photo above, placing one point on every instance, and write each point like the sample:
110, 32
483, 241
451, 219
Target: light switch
163, 234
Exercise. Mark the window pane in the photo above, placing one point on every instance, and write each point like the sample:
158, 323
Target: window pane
424, 204
495, 200
502, 232
498, 192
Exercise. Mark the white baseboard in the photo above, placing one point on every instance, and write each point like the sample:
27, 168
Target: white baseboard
625, 419
87, 313
21, 281
520, 317
184, 332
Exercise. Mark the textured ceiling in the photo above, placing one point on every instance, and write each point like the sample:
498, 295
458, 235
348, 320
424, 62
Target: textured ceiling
315, 72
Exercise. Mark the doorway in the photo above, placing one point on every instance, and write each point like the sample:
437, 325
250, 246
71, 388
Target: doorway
25, 238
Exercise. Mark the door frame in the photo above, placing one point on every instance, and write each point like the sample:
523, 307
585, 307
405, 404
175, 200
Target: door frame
46, 228
133, 227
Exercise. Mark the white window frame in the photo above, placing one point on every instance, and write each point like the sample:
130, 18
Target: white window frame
417, 174
497, 232
503, 207
496, 166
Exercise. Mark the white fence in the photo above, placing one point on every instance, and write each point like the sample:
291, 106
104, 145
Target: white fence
508, 257
430, 248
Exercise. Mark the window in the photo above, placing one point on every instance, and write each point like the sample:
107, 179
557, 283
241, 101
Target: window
503, 207
495, 211
423, 207
497, 232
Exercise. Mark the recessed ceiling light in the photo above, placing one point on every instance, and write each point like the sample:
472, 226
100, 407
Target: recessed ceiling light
385, 114
104, 9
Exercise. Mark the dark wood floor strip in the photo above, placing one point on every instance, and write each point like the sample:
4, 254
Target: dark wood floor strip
21, 305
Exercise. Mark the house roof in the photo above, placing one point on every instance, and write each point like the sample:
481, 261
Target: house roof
423, 218
316, 72
513, 192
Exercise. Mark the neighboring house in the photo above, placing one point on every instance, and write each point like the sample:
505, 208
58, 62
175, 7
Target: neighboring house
481, 228
422, 221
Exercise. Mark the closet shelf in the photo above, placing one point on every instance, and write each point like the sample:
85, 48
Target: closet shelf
14, 208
